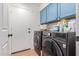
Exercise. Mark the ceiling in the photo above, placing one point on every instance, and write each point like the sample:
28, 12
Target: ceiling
27, 5
32, 5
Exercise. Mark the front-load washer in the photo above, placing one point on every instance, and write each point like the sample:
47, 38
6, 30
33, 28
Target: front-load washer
59, 44
38, 42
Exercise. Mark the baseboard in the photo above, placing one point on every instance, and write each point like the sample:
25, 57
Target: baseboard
20, 51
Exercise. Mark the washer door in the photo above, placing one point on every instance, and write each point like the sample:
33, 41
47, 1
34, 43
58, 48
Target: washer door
51, 48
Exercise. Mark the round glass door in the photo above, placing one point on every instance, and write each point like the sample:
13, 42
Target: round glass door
51, 48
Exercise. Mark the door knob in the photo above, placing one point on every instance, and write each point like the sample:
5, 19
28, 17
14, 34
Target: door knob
10, 35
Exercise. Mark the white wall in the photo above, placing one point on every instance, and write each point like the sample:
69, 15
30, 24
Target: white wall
77, 28
77, 48
77, 19
32, 18
43, 5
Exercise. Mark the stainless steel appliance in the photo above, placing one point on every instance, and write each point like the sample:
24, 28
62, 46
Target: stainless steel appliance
58, 44
38, 42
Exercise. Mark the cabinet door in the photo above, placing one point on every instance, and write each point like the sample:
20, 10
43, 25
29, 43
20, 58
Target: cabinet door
51, 12
59, 10
67, 9
43, 16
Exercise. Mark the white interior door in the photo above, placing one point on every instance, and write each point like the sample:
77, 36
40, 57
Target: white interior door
4, 44
17, 17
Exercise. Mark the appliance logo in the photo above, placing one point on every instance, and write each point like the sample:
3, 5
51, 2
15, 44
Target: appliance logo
49, 34
64, 45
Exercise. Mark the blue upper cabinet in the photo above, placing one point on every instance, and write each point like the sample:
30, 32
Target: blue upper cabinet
59, 10
43, 18
67, 9
55, 11
51, 12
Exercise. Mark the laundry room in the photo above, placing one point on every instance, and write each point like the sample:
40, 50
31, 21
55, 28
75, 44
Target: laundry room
58, 21
39, 29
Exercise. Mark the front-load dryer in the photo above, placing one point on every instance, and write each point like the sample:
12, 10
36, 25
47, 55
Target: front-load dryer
38, 42
59, 44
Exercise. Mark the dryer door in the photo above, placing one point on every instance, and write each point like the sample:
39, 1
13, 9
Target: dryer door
51, 48
37, 40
